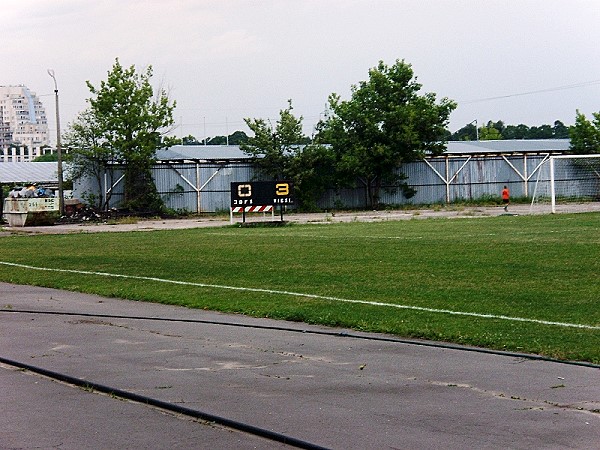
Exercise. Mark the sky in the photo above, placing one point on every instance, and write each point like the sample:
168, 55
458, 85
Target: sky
519, 61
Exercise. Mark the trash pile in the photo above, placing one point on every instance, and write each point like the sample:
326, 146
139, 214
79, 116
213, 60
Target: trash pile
76, 212
31, 191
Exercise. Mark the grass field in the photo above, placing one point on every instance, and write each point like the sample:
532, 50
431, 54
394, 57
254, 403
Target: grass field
527, 283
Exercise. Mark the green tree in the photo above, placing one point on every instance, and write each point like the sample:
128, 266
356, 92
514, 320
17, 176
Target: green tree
90, 156
520, 131
312, 170
467, 133
217, 140
132, 122
498, 126
47, 157
489, 133
281, 153
385, 124
585, 134
190, 140
275, 147
560, 130
236, 138
544, 131
497, 130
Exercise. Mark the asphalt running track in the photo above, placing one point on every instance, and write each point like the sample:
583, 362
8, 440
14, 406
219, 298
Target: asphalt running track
269, 381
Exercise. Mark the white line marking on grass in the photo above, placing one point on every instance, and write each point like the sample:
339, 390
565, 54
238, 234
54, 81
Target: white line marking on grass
299, 294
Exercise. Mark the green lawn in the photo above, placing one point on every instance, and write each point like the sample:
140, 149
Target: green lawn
539, 268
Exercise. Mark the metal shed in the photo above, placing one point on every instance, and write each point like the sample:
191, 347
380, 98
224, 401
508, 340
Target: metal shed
29, 172
197, 178
528, 146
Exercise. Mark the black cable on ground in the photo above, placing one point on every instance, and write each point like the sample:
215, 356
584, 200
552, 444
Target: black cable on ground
208, 417
319, 332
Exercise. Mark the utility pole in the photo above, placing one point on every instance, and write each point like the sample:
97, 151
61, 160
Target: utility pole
61, 199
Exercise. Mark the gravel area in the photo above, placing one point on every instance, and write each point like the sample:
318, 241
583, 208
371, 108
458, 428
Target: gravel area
315, 218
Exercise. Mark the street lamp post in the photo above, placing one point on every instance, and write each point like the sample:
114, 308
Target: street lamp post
476, 129
61, 200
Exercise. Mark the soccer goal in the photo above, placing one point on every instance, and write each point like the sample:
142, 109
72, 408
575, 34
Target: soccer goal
567, 183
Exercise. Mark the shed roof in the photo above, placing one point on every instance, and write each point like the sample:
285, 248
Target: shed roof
508, 146
29, 172
202, 153
233, 152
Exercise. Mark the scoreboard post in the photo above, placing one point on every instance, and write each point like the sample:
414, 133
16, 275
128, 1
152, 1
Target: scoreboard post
260, 196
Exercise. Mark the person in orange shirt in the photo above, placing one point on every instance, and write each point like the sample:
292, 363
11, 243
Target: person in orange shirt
505, 197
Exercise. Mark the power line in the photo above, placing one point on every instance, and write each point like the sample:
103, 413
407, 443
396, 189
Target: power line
521, 94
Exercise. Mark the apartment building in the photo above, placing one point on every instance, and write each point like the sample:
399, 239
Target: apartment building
23, 120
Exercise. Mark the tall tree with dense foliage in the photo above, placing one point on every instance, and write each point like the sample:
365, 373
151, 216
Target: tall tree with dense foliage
385, 124
274, 147
283, 152
585, 134
89, 156
132, 121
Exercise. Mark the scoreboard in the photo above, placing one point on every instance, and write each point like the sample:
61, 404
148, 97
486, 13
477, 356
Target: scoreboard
260, 193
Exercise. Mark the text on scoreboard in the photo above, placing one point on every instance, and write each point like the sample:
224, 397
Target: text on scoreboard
262, 193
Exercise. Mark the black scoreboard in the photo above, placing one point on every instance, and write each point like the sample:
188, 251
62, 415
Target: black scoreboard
255, 193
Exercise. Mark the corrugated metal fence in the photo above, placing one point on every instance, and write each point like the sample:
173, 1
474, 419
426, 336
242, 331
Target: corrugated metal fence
205, 186
191, 187
450, 179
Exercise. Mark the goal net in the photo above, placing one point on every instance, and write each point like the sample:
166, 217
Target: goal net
567, 183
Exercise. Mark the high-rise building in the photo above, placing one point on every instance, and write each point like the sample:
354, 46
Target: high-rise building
22, 119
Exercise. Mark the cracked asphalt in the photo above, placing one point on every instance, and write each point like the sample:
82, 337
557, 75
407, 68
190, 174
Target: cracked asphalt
331, 390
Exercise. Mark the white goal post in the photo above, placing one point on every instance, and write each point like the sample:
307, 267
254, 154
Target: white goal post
568, 180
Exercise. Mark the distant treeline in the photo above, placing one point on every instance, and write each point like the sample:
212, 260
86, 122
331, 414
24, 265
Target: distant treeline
470, 132
235, 138
498, 130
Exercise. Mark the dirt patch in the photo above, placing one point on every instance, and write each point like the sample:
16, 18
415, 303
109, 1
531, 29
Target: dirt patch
326, 217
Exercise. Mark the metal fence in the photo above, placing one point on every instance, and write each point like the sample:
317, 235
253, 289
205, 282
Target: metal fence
452, 179
205, 187
191, 187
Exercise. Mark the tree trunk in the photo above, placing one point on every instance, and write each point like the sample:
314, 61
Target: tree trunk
375, 193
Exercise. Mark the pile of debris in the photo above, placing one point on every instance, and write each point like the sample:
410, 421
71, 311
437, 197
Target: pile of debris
30, 191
